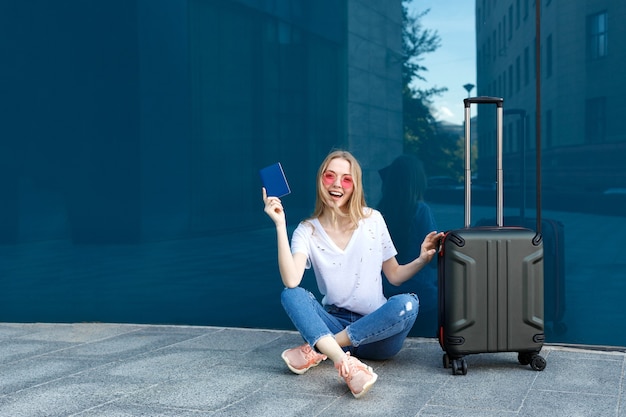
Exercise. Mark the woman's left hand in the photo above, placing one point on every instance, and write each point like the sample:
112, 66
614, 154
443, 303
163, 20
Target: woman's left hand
430, 245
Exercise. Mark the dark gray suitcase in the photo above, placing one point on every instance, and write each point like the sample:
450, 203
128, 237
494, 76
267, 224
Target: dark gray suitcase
553, 233
490, 280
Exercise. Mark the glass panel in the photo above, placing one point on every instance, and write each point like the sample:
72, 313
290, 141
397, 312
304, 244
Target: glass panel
134, 130
582, 176
130, 162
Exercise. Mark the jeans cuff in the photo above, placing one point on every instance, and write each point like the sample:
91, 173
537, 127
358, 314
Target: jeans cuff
314, 344
353, 341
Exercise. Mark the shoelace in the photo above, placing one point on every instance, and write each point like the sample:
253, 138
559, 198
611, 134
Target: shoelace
309, 353
347, 366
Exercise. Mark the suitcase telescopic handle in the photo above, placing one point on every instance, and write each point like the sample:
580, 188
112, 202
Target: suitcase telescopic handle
498, 101
468, 169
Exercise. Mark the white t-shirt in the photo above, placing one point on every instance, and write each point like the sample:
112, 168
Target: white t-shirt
349, 278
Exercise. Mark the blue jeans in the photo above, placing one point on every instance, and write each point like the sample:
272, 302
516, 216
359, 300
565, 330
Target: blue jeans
376, 336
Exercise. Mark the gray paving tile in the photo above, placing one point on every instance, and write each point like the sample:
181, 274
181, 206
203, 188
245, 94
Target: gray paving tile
420, 359
130, 370
70, 333
582, 372
443, 411
11, 331
38, 371
114, 409
388, 397
279, 404
204, 389
321, 380
156, 367
622, 399
568, 404
240, 340
498, 384
17, 349
62, 397
128, 344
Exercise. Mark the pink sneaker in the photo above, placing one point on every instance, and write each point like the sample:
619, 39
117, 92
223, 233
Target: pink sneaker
300, 359
359, 377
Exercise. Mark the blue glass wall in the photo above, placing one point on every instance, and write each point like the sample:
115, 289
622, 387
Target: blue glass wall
566, 92
132, 136
132, 133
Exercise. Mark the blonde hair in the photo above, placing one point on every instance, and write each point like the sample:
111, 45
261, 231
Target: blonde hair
356, 204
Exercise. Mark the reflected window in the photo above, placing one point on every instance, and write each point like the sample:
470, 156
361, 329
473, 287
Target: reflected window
518, 74
510, 22
597, 36
526, 66
510, 89
525, 9
595, 123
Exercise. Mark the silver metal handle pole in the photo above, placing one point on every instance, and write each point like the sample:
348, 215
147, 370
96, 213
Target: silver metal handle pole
499, 174
468, 169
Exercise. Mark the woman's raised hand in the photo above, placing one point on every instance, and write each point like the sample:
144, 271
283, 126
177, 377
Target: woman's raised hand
273, 208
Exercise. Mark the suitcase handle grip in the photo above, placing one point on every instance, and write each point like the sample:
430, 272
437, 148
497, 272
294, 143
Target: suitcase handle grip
498, 101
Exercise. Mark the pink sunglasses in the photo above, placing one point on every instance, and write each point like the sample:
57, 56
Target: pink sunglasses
329, 178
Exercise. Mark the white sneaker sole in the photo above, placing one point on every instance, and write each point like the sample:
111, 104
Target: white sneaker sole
367, 386
294, 370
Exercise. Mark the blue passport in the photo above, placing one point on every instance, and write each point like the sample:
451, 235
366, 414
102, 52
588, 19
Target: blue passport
274, 180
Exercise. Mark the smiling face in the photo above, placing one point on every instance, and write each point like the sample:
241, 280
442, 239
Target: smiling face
339, 187
337, 183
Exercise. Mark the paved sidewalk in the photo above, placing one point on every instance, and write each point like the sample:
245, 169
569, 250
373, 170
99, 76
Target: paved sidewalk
99, 369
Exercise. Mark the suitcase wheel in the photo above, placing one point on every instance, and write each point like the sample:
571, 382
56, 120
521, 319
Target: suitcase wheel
536, 362
524, 358
459, 367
